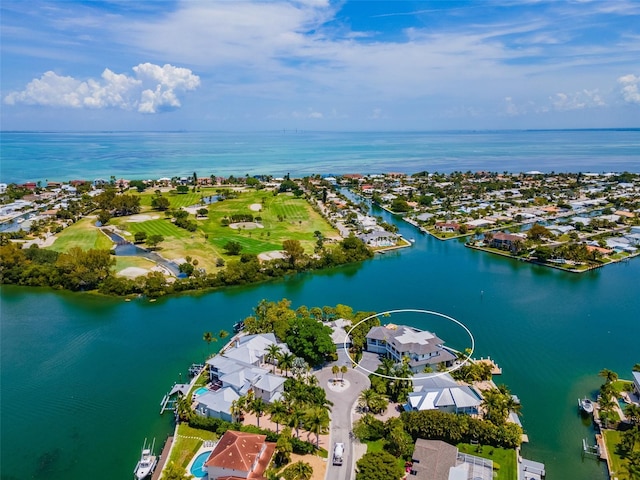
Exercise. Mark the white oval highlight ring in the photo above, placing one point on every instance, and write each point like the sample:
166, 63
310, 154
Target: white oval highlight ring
413, 310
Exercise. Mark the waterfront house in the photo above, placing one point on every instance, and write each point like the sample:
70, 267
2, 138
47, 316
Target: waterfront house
217, 404
238, 370
506, 241
636, 382
239, 455
379, 238
443, 393
448, 227
420, 347
437, 460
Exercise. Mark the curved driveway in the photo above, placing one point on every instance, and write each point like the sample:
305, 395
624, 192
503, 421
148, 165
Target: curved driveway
341, 417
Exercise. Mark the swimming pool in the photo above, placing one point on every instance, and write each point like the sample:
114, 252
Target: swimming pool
197, 469
201, 390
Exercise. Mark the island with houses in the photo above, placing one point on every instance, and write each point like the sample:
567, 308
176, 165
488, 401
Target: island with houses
270, 406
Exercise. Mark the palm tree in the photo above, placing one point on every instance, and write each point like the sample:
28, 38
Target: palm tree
296, 417
317, 421
335, 370
387, 366
273, 351
285, 361
258, 407
365, 398
223, 334
632, 412
636, 367
298, 471
183, 408
495, 406
278, 411
208, 337
343, 370
609, 375
370, 400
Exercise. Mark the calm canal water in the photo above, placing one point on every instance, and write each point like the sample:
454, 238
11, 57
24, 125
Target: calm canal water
82, 376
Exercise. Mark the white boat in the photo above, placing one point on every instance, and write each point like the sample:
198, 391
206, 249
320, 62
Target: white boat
586, 405
147, 461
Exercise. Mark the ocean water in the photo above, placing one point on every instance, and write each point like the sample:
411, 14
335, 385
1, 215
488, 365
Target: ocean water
41, 156
82, 376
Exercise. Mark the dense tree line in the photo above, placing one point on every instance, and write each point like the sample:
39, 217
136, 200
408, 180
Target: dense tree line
75, 270
91, 269
452, 428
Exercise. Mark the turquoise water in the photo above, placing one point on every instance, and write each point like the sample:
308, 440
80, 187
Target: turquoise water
85, 375
201, 390
82, 375
67, 156
197, 469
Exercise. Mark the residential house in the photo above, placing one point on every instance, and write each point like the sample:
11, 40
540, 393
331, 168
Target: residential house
379, 238
506, 241
239, 455
449, 227
437, 460
420, 347
443, 393
237, 371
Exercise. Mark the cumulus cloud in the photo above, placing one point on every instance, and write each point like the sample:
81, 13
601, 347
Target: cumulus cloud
630, 91
152, 89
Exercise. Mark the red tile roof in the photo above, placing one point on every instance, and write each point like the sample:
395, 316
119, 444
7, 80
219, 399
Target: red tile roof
239, 451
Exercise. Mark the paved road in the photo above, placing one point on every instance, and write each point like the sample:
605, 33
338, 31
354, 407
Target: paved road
344, 400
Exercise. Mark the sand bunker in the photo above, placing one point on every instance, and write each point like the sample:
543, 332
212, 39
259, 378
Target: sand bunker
143, 217
133, 272
246, 225
272, 255
256, 207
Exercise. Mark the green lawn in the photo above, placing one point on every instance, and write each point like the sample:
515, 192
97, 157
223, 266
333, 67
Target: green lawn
187, 443
83, 234
505, 463
283, 217
616, 462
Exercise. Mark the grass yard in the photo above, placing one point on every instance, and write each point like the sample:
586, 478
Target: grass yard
83, 234
616, 462
505, 463
187, 443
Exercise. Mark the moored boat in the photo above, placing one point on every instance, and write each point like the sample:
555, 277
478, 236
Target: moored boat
147, 462
586, 405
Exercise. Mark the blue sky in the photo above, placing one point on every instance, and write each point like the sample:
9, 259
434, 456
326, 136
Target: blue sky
317, 64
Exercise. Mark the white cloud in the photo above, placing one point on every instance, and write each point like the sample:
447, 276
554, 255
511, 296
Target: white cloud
577, 101
630, 91
153, 89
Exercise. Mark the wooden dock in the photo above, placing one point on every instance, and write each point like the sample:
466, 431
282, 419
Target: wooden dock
602, 448
495, 369
164, 456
